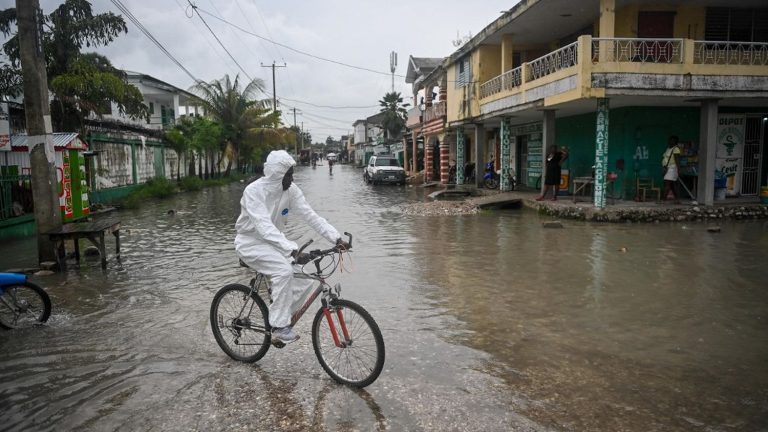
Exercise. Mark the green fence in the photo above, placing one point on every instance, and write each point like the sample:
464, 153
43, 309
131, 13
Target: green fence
15, 196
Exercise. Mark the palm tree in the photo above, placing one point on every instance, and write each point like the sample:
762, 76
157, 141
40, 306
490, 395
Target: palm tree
236, 110
394, 114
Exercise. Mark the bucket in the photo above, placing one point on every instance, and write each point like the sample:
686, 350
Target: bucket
720, 182
720, 194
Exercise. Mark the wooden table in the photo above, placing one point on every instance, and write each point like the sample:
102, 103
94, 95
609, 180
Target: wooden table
580, 184
93, 231
585, 185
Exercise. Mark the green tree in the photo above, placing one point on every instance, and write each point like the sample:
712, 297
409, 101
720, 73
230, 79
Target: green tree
88, 81
179, 138
237, 111
394, 114
207, 139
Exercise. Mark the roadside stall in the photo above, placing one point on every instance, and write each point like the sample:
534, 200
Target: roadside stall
71, 171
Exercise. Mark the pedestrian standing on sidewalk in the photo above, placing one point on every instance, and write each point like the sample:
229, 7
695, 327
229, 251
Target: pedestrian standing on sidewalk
670, 163
552, 171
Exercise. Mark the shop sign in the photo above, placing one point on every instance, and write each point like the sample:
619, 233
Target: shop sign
66, 186
5, 128
601, 152
730, 136
460, 155
730, 168
534, 159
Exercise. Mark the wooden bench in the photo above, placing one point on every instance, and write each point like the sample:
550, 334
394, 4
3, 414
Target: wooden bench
93, 231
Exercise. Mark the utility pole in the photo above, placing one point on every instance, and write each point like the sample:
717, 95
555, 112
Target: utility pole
294, 126
274, 92
392, 67
40, 132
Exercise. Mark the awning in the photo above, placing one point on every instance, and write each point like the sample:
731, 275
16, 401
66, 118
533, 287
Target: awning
61, 141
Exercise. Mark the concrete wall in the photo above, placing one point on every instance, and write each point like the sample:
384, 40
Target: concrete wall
114, 163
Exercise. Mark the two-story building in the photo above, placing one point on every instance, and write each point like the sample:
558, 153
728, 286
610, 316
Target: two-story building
368, 136
612, 80
428, 143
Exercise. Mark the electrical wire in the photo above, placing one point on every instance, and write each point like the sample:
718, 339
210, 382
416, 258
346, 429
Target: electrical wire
329, 106
195, 8
147, 33
198, 10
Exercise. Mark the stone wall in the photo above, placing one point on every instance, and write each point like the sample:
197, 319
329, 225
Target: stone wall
680, 214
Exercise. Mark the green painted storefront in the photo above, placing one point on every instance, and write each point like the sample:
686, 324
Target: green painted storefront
637, 135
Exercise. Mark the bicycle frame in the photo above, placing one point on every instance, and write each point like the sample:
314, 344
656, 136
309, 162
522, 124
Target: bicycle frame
321, 288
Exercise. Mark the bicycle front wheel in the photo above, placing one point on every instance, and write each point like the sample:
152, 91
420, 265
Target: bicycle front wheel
240, 323
358, 357
23, 305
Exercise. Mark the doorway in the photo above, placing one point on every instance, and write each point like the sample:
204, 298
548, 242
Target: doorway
655, 25
753, 140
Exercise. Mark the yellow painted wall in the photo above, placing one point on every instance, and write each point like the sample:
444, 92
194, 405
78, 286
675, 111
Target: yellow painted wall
453, 95
488, 63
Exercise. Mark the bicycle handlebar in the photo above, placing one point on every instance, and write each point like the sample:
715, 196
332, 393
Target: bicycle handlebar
317, 253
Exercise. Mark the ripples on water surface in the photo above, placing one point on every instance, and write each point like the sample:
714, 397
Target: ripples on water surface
490, 321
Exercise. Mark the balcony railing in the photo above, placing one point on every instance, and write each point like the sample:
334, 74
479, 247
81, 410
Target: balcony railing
506, 81
437, 110
563, 58
730, 53
637, 50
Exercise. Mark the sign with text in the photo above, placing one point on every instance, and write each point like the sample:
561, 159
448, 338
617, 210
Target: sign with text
5, 128
730, 136
601, 152
731, 169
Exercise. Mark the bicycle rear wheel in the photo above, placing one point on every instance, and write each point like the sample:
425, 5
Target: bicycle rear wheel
240, 323
23, 305
359, 359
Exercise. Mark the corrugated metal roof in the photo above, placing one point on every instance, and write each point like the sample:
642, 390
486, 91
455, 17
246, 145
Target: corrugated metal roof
61, 140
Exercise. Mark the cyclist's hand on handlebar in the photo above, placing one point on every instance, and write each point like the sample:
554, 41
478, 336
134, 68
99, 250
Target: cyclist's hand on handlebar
342, 245
303, 258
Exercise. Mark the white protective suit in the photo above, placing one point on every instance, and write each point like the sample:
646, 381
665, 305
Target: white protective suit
260, 242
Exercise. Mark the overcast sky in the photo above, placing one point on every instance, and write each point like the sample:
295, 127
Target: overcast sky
360, 33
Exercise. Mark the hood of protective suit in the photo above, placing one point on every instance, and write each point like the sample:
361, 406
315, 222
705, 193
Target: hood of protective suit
278, 163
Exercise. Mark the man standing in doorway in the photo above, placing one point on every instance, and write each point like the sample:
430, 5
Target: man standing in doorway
670, 163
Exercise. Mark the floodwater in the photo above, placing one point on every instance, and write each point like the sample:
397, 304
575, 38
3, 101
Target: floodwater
491, 322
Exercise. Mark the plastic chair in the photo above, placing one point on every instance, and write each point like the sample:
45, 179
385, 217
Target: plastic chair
644, 185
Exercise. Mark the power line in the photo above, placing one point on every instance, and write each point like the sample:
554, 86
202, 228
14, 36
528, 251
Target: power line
198, 10
328, 118
146, 32
195, 8
207, 41
329, 106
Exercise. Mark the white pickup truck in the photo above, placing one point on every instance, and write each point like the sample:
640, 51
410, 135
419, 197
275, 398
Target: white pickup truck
384, 169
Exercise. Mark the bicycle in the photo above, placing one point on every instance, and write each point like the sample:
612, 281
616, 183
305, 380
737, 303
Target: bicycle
350, 348
22, 303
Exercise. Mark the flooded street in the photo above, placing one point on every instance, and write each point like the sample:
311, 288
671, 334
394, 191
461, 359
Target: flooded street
490, 321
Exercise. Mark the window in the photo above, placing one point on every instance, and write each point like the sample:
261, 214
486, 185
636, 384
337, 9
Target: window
464, 71
386, 162
737, 25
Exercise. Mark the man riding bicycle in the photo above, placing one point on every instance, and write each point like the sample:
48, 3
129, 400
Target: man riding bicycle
261, 244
